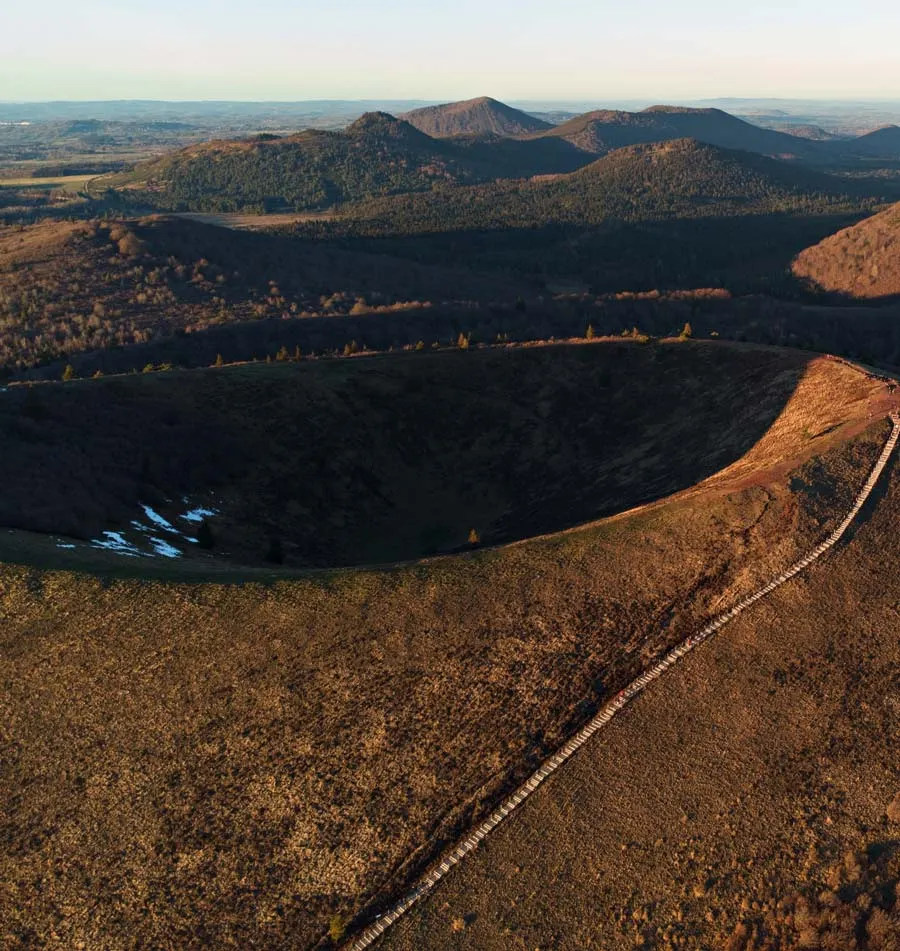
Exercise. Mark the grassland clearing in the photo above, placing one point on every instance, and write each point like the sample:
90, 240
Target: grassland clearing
62, 182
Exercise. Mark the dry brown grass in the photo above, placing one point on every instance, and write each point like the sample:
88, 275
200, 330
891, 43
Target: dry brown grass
742, 803
214, 764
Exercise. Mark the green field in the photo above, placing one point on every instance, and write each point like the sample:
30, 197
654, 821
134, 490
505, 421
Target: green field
66, 182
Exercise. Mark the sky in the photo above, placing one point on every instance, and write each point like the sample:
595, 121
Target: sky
431, 49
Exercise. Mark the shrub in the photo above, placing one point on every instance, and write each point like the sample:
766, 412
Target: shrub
893, 810
205, 537
337, 927
474, 537
687, 332
275, 554
69, 372
589, 333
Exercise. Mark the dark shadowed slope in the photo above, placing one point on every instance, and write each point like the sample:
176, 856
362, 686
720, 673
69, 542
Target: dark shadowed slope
482, 116
882, 143
385, 458
859, 262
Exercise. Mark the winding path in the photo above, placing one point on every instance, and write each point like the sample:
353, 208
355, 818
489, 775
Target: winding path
474, 839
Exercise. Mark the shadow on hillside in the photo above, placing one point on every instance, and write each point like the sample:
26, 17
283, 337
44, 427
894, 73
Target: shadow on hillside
817, 294
392, 458
744, 253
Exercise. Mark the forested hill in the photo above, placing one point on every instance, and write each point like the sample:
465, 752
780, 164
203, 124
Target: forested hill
377, 155
679, 179
603, 131
483, 116
860, 262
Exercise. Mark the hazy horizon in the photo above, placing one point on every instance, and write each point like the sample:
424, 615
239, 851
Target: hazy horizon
575, 51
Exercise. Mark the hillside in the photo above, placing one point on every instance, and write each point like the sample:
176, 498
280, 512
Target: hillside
666, 215
434, 467
860, 262
68, 288
603, 131
376, 155
880, 144
678, 179
182, 747
482, 116
749, 801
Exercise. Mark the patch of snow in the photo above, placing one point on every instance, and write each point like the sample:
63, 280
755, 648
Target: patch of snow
64, 545
158, 520
198, 514
115, 541
163, 548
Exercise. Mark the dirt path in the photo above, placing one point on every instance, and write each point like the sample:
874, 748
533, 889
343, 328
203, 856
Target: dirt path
469, 844
247, 222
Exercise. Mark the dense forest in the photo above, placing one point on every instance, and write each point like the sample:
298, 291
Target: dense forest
679, 179
670, 215
68, 287
376, 155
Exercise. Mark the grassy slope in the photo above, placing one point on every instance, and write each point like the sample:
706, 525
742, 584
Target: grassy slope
859, 262
203, 763
742, 803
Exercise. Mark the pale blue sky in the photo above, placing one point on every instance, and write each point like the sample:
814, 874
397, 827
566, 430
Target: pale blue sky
420, 49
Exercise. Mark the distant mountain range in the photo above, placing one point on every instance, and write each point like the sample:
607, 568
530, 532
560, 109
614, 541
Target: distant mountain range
601, 132
376, 155
483, 116
477, 141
